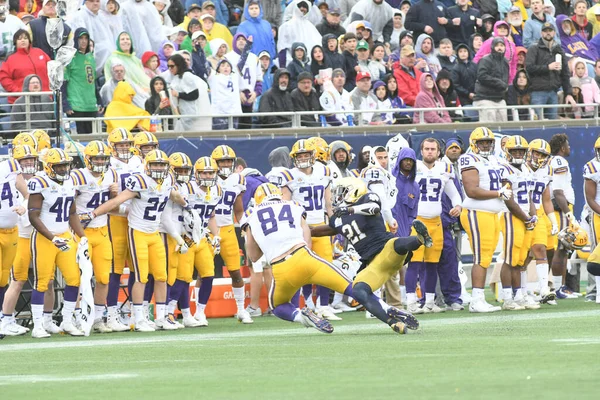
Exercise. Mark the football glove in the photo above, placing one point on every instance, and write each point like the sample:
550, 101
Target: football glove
60, 243
531, 222
505, 193
216, 244
572, 220
182, 246
86, 218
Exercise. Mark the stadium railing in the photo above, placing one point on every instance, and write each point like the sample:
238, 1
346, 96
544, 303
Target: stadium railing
12, 128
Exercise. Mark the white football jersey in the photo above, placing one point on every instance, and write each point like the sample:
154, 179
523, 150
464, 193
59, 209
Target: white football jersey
519, 177
539, 181
58, 199
147, 207
562, 178
372, 175
251, 71
309, 190
591, 171
90, 193
9, 170
24, 225
274, 176
120, 171
232, 187
432, 183
276, 226
489, 179
204, 203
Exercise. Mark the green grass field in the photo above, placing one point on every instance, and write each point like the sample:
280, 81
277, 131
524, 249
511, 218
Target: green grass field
549, 354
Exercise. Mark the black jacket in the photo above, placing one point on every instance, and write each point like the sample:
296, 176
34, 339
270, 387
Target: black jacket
276, 100
306, 103
296, 67
336, 59
325, 27
542, 79
492, 76
464, 76
39, 38
423, 13
446, 63
350, 62
461, 33
518, 97
487, 7
450, 96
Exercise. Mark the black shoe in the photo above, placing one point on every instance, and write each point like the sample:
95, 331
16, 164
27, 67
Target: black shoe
422, 233
402, 316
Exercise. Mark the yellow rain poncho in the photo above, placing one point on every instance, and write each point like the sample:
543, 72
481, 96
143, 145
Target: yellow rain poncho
122, 106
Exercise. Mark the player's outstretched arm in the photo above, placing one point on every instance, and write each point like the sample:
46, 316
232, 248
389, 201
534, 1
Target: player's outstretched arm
177, 198
322, 230
114, 202
35, 208
254, 252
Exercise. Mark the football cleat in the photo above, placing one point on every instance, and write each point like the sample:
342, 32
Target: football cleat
143, 326
201, 318
310, 303
244, 317
414, 308
455, 307
172, 318
422, 233
100, 327
405, 317
68, 327
165, 324
116, 326
512, 305
368, 315
343, 307
51, 327
310, 320
13, 329
191, 322
399, 327
482, 306
254, 312
434, 308
548, 297
529, 303
39, 333
325, 312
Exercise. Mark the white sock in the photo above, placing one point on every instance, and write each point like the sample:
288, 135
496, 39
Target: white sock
196, 290
507, 293
200, 308
337, 298
99, 312
542, 272
403, 293
171, 307
37, 310
138, 313
298, 316
161, 309
478, 294
429, 298
186, 313
238, 295
557, 281
111, 312
411, 298
68, 309
47, 317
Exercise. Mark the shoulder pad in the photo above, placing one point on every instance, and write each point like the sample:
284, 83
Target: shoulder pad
591, 167
78, 177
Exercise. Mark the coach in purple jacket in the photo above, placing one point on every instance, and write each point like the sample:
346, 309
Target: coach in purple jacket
407, 199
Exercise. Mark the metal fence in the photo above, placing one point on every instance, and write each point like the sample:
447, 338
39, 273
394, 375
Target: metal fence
31, 110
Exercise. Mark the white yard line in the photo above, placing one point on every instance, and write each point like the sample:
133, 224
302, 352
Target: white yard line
204, 335
6, 380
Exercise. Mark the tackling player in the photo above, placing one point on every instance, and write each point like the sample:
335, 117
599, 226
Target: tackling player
52, 214
434, 178
309, 184
358, 218
484, 195
149, 193
231, 204
92, 190
518, 222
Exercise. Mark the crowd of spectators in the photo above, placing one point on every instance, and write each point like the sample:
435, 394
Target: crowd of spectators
201, 58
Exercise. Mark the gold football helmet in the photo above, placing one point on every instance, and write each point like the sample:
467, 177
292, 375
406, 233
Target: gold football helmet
144, 142
25, 139
120, 141
27, 157
480, 136
597, 149
57, 164
182, 167
223, 155
349, 190
43, 139
97, 156
210, 168
303, 146
156, 165
321, 148
573, 237
538, 153
515, 149
267, 192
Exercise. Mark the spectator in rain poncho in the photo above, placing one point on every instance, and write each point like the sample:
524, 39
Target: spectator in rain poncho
118, 72
225, 93
134, 69
193, 26
215, 30
189, 94
111, 10
162, 6
258, 28
314, 14
98, 26
377, 12
218, 48
298, 29
141, 19
122, 106
166, 50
